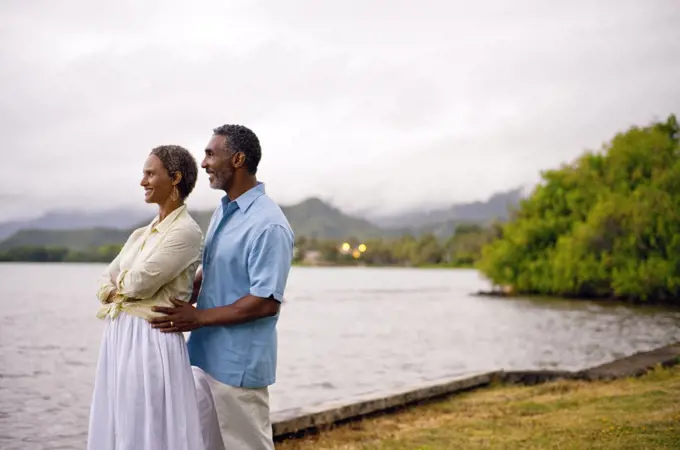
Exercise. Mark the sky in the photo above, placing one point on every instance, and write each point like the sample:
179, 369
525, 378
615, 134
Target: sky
371, 105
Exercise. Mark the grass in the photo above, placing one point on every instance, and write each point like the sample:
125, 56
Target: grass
641, 413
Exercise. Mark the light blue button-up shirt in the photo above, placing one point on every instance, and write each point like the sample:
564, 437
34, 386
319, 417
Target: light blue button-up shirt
248, 250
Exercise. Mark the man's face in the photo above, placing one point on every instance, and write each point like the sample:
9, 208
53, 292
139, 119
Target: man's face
218, 163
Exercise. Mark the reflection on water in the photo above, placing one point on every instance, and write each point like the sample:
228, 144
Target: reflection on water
343, 332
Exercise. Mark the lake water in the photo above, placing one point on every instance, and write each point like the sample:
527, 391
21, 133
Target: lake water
342, 332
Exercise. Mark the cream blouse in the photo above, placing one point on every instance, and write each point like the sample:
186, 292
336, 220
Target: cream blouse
157, 263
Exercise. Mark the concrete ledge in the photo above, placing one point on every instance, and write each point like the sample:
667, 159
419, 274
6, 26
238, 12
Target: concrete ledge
531, 377
634, 365
297, 421
294, 421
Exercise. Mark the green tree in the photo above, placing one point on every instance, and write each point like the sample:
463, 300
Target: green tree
464, 247
427, 250
607, 225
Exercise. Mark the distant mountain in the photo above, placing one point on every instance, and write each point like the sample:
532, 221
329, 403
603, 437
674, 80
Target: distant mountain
314, 218
310, 218
496, 208
72, 220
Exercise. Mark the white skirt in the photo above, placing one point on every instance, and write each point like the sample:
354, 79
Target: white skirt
144, 393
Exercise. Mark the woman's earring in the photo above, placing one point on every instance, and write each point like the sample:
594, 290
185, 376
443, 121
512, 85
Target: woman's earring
175, 194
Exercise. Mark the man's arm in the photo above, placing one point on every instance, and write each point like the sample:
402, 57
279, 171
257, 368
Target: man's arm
244, 310
269, 263
184, 317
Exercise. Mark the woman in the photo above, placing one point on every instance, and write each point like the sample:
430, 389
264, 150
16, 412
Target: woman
144, 394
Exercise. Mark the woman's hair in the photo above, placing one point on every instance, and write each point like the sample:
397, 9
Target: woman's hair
178, 159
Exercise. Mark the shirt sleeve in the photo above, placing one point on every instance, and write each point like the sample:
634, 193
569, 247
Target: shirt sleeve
269, 262
107, 280
179, 249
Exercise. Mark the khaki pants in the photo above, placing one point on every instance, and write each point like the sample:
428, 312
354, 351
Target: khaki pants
233, 418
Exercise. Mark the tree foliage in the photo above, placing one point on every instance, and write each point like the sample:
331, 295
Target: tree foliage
461, 249
607, 225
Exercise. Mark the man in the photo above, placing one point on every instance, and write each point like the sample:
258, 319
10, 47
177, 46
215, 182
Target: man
246, 260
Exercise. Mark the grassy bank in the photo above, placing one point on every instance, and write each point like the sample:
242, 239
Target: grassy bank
641, 413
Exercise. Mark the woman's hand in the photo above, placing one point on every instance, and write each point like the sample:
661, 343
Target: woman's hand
111, 296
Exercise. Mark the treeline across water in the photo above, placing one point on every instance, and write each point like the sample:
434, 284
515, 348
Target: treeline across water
104, 253
462, 249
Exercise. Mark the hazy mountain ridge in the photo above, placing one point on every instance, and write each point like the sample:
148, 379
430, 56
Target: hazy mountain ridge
495, 208
119, 218
311, 218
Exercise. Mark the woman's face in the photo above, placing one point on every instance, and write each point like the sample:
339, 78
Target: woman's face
156, 182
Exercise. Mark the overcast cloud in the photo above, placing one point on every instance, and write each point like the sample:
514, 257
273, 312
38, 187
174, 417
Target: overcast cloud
421, 105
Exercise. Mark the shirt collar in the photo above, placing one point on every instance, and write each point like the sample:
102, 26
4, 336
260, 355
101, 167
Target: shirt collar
246, 199
165, 223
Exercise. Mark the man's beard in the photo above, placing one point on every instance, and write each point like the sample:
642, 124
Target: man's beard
223, 181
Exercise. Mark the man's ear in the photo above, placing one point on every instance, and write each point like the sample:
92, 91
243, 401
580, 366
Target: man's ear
239, 159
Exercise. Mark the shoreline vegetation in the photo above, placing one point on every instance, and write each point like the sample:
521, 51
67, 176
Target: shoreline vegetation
460, 250
43, 254
46, 255
605, 227
631, 413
